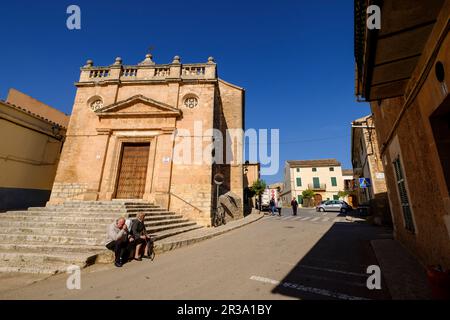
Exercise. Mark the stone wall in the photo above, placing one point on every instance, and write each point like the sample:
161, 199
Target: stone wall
404, 130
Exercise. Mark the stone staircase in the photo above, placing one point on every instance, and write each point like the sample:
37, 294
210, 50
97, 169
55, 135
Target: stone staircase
48, 239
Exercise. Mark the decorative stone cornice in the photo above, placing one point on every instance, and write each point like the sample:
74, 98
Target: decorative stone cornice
147, 71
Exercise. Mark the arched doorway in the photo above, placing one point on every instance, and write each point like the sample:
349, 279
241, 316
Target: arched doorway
317, 199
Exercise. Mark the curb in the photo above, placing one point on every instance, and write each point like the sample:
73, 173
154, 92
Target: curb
164, 247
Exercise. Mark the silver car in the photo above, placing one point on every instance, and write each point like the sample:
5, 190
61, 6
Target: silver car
334, 205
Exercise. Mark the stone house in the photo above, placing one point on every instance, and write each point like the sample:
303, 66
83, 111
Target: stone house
403, 72
145, 132
323, 176
366, 161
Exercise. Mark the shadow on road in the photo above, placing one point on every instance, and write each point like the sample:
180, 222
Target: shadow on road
335, 268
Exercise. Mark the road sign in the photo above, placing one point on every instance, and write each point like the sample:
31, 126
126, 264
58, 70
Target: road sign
364, 183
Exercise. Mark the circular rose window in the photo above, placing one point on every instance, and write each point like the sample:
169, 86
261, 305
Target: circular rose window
191, 102
97, 104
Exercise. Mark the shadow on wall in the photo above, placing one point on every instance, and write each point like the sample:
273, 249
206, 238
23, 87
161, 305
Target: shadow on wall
18, 198
335, 268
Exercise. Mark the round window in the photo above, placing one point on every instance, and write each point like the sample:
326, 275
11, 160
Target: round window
97, 104
190, 102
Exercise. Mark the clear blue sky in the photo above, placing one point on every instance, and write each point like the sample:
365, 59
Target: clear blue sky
294, 58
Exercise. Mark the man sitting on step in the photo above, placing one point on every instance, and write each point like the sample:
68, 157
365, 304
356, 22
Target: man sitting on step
118, 240
141, 239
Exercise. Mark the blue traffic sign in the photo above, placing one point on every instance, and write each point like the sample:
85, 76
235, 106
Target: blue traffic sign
364, 183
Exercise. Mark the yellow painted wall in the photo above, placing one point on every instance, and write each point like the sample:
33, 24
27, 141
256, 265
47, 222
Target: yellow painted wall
28, 158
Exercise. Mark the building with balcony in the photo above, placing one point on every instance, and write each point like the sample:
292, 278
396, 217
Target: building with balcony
148, 131
403, 72
366, 161
324, 177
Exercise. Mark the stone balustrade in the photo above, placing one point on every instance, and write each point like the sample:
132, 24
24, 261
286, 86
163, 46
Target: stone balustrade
148, 70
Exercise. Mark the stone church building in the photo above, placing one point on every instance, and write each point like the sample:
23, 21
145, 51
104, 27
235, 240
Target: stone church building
120, 139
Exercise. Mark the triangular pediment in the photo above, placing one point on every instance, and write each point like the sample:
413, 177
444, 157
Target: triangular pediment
139, 105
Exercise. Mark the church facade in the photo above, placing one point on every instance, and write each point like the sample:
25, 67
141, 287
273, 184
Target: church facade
126, 127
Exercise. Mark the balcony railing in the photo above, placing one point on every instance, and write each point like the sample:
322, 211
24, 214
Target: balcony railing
319, 186
161, 72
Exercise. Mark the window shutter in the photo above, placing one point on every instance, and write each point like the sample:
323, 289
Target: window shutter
404, 200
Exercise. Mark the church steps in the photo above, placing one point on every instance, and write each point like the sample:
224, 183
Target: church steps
58, 239
48, 239
157, 229
46, 214
173, 232
70, 224
15, 227
53, 248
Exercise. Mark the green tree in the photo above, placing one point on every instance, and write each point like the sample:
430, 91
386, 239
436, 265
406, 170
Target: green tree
258, 187
308, 195
342, 194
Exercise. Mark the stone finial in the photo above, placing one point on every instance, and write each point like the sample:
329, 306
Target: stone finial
211, 60
148, 60
89, 63
176, 59
118, 61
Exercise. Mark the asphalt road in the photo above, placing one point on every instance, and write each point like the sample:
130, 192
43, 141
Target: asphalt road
311, 256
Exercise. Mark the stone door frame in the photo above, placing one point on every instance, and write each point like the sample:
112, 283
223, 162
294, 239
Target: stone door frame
117, 153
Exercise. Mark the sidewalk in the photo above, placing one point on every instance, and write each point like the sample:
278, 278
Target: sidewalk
404, 275
188, 238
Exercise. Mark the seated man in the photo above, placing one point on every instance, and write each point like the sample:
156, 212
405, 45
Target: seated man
118, 240
139, 233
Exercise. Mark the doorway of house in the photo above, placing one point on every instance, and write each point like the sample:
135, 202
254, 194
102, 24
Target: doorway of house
317, 199
132, 171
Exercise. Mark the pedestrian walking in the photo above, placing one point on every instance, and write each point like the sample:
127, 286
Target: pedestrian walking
272, 205
279, 206
294, 205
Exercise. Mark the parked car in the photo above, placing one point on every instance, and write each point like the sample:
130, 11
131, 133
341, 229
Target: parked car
334, 205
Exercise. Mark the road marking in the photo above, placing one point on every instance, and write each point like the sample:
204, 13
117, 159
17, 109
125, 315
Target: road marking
287, 218
297, 218
300, 287
305, 218
325, 219
334, 271
315, 219
324, 214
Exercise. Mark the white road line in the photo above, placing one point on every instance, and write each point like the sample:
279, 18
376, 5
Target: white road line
297, 218
315, 219
334, 271
325, 219
324, 214
300, 287
288, 218
305, 218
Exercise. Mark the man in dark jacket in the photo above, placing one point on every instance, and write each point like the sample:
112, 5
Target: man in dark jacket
294, 205
141, 238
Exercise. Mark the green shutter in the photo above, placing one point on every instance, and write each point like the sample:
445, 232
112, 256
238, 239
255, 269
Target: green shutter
299, 182
333, 182
316, 183
335, 197
300, 199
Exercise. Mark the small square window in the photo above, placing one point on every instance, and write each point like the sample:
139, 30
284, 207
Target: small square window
298, 169
314, 169
331, 169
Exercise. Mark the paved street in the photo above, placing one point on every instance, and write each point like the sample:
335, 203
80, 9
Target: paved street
311, 256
